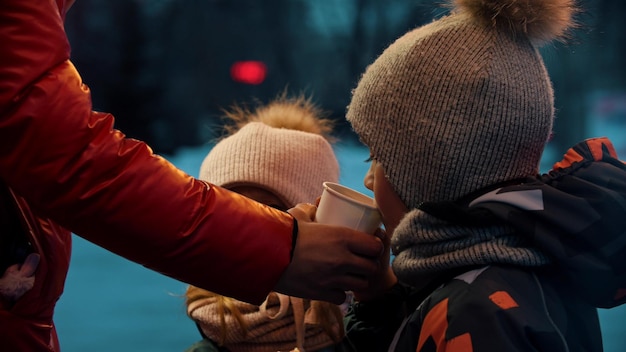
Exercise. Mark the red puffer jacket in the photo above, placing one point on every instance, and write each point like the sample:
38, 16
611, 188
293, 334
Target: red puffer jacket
67, 163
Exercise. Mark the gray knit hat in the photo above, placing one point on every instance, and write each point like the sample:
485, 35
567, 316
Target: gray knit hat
280, 147
463, 102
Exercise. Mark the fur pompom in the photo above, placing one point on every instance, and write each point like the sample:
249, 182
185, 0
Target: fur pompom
540, 20
295, 113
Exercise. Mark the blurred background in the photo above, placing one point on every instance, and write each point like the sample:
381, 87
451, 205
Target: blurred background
166, 68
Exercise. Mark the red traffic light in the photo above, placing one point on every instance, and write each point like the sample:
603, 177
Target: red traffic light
248, 72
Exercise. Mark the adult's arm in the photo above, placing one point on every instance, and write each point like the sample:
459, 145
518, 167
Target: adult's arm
74, 167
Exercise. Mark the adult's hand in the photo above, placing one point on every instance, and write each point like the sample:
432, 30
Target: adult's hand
329, 260
384, 279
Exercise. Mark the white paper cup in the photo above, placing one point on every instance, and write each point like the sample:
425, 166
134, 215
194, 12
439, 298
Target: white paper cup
340, 205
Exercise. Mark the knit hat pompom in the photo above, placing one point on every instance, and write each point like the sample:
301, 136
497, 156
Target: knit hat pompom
282, 147
540, 20
294, 113
463, 102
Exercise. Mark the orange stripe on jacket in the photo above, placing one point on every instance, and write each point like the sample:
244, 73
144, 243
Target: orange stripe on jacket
503, 300
435, 325
596, 147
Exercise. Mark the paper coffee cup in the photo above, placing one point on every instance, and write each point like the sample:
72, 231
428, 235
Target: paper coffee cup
343, 206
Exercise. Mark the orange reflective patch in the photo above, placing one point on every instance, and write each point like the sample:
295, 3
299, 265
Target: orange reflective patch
460, 343
435, 326
595, 146
569, 158
503, 300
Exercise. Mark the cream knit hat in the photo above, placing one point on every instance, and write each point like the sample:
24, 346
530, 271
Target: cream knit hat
463, 102
280, 148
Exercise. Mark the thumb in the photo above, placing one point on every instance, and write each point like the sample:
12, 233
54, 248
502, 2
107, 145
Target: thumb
303, 212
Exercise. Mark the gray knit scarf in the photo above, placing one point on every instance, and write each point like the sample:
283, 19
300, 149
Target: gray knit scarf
426, 247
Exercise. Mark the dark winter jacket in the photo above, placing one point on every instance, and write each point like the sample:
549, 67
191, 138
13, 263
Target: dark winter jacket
576, 215
64, 168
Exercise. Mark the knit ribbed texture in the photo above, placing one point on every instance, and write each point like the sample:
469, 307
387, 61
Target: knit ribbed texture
277, 148
276, 159
452, 107
426, 248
